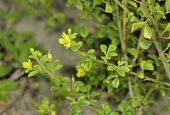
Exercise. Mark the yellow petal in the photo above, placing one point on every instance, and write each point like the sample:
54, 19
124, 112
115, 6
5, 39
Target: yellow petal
67, 45
80, 72
67, 38
61, 41
24, 65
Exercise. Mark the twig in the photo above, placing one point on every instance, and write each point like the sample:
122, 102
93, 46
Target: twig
138, 46
153, 80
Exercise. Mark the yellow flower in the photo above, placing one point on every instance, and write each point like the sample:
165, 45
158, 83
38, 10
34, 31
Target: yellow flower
65, 40
49, 55
41, 111
80, 72
27, 65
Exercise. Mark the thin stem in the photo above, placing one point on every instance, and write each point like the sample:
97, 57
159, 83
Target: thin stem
137, 1
103, 62
153, 80
156, 81
123, 42
97, 60
149, 93
96, 108
120, 33
145, 99
52, 76
138, 46
124, 35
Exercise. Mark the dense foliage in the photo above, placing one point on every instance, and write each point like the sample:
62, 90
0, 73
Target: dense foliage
127, 55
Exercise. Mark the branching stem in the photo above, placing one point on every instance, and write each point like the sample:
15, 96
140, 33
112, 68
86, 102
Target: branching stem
156, 40
52, 76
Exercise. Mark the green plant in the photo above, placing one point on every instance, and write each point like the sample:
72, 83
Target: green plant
6, 86
14, 46
45, 107
129, 68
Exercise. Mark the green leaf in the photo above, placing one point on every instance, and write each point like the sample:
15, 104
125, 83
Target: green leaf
111, 68
103, 48
78, 4
132, 3
108, 8
145, 44
122, 69
167, 29
111, 76
135, 26
115, 83
88, 65
94, 94
146, 65
141, 75
91, 51
93, 57
120, 63
114, 113
55, 87
32, 73
44, 59
7, 85
55, 65
78, 84
70, 98
122, 107
97, 2
168, 46
105, 58
25, 51
86, 103
106, 108
83, 54
9, 46
147, 31
76, 46
38, 68
163, 93
84, 31
51, 22
83, 88
136, 103
66, 87
109, 88
64, 79
167, 5
131, 17
142, 10
133, 52
1, 55
81, 99
111, 49
4, 70
112, 54
129, 109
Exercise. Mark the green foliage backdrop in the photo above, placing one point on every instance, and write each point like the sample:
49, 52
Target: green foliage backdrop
127, 54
